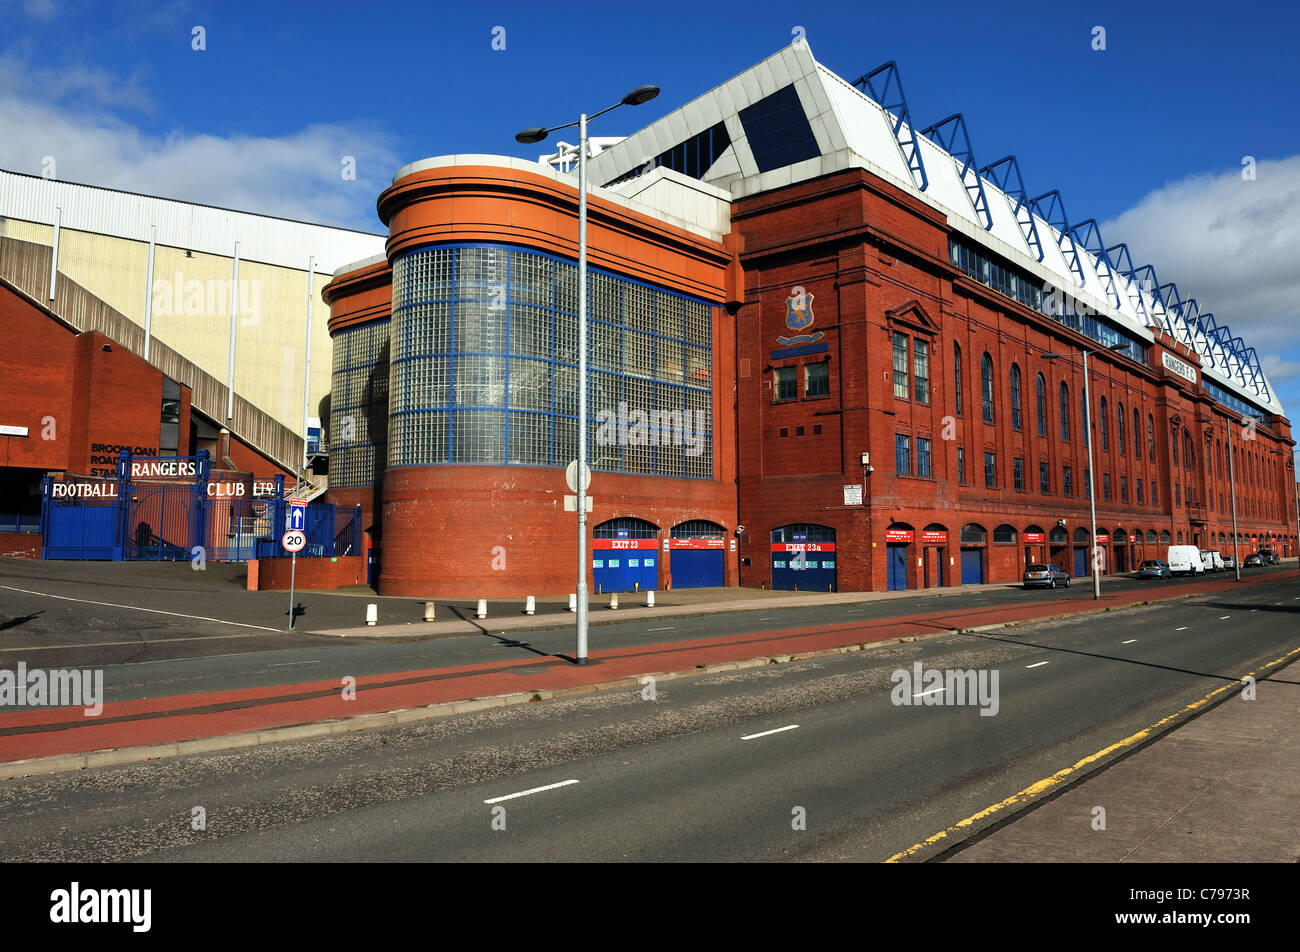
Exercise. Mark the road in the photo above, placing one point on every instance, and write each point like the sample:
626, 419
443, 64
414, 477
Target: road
674, 778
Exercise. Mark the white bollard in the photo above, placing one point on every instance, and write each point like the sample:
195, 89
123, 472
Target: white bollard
372, 613
613, 600
530, 605
650, 599
428, 611
573, 602
482, 608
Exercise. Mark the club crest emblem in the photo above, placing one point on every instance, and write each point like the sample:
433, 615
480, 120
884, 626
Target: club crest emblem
799, 317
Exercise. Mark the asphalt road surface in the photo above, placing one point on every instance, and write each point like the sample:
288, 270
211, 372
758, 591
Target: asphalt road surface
716, 767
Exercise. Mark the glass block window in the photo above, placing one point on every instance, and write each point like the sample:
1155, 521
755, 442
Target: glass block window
484, 368
358, 432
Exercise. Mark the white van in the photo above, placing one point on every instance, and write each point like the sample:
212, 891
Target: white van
1212, 561
1185, 560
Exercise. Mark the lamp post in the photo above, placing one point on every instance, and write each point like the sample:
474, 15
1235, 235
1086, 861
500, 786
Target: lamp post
1295, 487
1087, 436
1232, 489
636, 97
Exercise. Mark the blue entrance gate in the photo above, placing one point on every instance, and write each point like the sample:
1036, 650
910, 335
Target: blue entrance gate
697, 548
803, 558
972, 566
625, 556
76, 529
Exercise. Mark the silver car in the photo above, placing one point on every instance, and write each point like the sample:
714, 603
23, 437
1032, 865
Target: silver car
1039, 575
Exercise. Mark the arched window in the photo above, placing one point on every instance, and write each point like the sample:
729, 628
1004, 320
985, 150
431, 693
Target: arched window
1137, 434
1187, 450
1151, 438
1015, 396
1119, 429
1105, 425
1005, 534
956, 375
1081, 536
626, 528
1040, 392
973, 534
1065, 411
986, 386
1152, 537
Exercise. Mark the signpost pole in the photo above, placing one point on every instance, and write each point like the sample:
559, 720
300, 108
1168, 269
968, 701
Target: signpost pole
293, 571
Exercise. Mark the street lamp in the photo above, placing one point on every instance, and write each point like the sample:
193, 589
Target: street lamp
1087, 436
1295, 487
636, 97
1232, 488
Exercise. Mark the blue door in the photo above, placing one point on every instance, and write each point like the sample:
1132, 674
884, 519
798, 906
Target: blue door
896, 560
624, 570
972, 566
1080, 561
697, 568
812, 570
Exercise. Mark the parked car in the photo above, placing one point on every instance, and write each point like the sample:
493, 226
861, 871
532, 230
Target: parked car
1212, 560
1269, 556
1185, 560
1154, 568
1229, 561
1038, 575
1253, 559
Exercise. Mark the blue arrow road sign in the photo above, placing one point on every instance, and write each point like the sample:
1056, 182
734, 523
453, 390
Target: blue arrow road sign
297, 514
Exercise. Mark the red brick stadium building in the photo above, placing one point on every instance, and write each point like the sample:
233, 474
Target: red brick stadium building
828, 351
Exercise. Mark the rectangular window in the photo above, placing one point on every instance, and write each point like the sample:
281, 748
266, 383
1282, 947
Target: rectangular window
1018, 473
1105, 485
921, 369
1178, 495
1123, 489
1067, 481
1087, 482
816, 379
1155, 499
902, 454
923, 456
786, 384
900, 366
961, 466
1137, 484
1044, 479
990, 471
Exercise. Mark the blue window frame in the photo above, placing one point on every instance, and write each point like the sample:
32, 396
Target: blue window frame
902, 454
922, 456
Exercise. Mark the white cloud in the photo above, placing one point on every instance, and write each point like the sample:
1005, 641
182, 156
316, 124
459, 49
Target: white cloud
295, 175
1232, 244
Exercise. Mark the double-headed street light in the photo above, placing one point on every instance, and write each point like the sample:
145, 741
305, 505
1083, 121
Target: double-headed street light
1295, 487
1087, 437
636, 97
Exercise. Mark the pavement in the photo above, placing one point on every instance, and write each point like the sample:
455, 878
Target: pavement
1216, 786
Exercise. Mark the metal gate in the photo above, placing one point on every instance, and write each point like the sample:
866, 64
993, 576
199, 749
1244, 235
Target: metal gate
803, 558
697, 548
79, 529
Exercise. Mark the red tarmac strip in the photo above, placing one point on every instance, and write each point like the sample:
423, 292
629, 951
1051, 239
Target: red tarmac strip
55, 731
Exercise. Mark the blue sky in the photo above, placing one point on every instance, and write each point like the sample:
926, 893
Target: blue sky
1147, 136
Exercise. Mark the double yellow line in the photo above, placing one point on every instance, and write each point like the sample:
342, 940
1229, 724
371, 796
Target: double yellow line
1064, 774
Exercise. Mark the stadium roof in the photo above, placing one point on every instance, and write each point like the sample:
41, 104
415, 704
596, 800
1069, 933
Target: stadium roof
789, 119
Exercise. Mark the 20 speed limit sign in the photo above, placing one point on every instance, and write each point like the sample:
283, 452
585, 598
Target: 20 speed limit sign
295, 540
